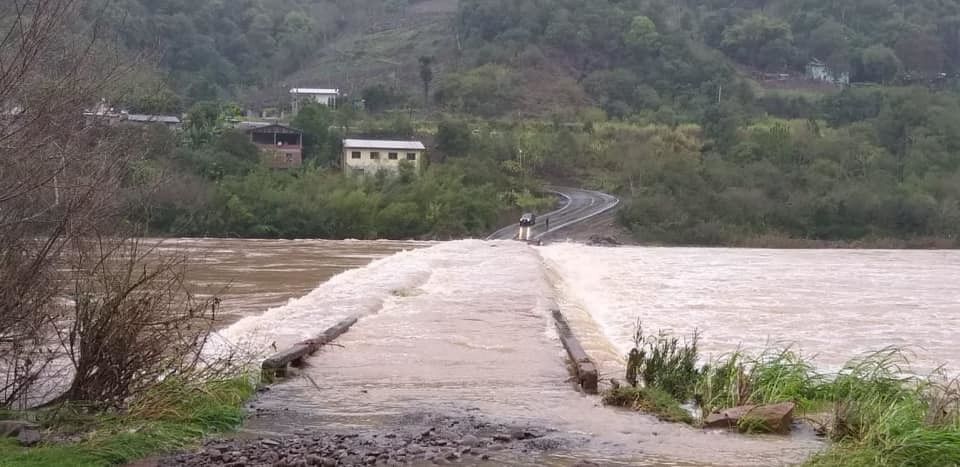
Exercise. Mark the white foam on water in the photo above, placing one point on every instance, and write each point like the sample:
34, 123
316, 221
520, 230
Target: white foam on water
832, 304
357, 292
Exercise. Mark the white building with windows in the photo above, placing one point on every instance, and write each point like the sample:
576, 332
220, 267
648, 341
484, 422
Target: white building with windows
300, 96
367, 156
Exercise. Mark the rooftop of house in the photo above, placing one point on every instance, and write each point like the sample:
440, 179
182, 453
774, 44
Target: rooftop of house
247, 125
274, 128
321, 91
142, 118
383, 144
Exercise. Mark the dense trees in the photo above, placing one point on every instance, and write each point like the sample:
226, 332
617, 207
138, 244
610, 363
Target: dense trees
649, 98
624, 45
889, 172
213, 48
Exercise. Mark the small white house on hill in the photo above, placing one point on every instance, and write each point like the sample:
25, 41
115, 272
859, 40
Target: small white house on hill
299, 96
819, 71
367, 157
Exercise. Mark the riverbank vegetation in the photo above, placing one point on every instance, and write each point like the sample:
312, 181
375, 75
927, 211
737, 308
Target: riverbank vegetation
873, 411
101, 338
169, 416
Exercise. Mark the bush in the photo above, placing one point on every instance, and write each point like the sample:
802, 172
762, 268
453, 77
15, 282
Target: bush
664, 363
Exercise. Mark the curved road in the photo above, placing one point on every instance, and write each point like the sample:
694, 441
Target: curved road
579, 205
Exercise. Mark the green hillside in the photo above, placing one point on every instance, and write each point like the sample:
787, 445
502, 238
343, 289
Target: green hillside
662, 102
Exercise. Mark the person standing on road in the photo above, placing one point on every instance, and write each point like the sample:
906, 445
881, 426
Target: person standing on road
548, 224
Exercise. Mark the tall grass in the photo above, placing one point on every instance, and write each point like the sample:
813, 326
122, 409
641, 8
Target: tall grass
877, 412
775, 375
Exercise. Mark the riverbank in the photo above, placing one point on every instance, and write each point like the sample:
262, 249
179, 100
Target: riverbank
173, 415
875, 411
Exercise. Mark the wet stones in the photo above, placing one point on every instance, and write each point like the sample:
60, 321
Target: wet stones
442, 442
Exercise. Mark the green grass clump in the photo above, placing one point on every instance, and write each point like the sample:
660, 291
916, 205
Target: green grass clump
654, 401
772, 377
884, 416
879, 412
665, 363
172, 415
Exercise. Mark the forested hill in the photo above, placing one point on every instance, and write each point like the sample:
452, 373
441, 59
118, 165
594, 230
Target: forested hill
219, 49
663, 102
496, 56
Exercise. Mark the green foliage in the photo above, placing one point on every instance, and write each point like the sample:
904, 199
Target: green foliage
211, 48
760, 41
664, 364
642, 35
378, 98
882, 414
319, 143
426, 76
171, 416
878, 64
453, 137
773, 376
880, 172
487, 91
206, 120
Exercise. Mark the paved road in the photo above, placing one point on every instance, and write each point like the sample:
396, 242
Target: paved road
579, 205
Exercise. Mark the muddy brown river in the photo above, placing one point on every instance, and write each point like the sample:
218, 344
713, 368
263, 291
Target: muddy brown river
464, 328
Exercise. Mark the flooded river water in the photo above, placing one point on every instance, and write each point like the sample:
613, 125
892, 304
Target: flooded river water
464, 328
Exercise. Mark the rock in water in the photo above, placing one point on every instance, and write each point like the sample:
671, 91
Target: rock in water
29, 437
775, 418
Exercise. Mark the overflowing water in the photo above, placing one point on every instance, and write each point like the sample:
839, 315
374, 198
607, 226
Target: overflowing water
464, 327
831, 304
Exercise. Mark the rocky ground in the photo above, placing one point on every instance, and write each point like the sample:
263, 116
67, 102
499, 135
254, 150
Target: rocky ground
415, 440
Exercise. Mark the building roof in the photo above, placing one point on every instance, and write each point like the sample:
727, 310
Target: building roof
247, 125
329, 92
153, 118
274, 128
382, 144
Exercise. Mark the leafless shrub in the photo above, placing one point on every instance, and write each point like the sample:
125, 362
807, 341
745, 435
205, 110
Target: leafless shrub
134, 321
64, 181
